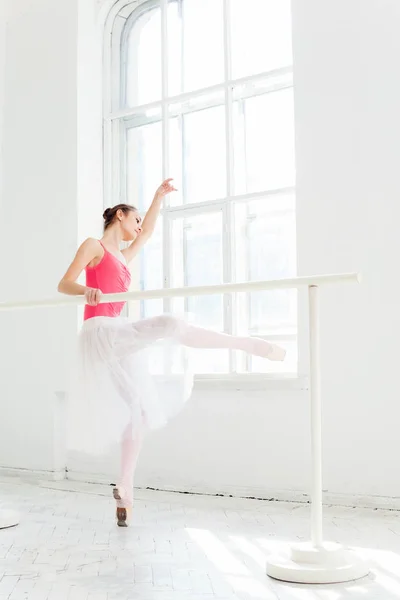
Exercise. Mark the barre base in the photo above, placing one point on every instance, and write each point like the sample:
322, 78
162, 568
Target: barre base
331, 563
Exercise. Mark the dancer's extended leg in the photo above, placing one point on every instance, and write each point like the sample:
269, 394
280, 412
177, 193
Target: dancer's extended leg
166, 326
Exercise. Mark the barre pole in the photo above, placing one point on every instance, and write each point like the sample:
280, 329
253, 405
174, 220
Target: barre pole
315, 400
316, 561
203, 290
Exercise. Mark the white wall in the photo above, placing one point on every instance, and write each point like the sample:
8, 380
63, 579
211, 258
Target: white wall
89, 120
348, 148
348, 144
2, 93
39, 215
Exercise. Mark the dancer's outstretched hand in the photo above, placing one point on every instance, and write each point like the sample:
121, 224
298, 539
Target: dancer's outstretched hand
165, 188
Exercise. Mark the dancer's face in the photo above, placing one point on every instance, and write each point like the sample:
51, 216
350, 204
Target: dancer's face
131, 225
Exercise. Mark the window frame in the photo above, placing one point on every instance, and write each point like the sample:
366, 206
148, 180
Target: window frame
121, 17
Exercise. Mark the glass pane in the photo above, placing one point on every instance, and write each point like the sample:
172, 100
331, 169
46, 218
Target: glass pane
261, 34
143, 164
271, 256
142, 64
195, 44
264, 142
198, 155
151, 271
266, 249
198, 260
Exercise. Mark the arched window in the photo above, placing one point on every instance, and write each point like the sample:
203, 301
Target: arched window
202, 91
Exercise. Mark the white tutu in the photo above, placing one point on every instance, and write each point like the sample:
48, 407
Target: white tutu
121, 381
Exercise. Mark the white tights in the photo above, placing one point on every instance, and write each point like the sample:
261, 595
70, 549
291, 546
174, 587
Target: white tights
130, 449
149, 331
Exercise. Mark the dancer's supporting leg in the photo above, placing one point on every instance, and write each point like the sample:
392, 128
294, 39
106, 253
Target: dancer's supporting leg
123, 492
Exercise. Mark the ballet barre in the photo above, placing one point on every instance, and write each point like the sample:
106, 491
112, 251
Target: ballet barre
202, 290
316, 561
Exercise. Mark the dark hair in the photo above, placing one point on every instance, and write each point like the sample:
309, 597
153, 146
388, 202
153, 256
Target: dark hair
109, 213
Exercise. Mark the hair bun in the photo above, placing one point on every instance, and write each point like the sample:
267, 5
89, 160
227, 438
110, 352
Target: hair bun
106, 213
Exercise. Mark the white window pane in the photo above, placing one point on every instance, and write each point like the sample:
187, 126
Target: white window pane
198, 260
198, 155
176, 159
272, 312
261, 36
264, 142
271, 253
142, 64
143, 163
151, 271
266, 249
195, 44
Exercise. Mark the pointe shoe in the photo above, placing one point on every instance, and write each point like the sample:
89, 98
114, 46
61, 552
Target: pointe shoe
276, 353
122, 513
261, 347
122, 516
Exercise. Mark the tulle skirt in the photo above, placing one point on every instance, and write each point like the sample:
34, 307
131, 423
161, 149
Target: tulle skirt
128, 374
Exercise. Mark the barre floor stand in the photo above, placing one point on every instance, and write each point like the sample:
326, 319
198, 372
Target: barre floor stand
316, 561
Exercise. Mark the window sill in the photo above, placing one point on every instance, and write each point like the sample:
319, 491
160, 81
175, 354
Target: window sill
251, 382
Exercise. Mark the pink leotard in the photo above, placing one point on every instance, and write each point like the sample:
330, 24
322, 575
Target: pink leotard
111, 276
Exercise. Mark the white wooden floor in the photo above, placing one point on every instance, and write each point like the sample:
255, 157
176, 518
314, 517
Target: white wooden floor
67, 547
